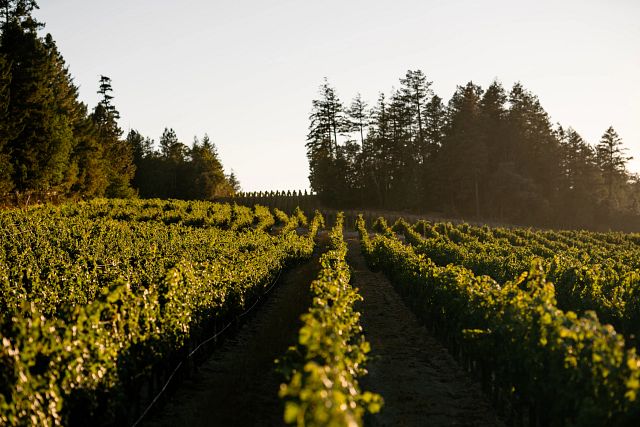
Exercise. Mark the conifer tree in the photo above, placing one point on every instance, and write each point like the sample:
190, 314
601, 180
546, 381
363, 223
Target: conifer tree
43, 109
141, 147
376, 154
234, 183
403, 162
434, 128
118, 155
148, 165
173, 156
358, 116
612, 160
89, 156
582, 180
206, 169
463, 155
534, 151
326, 120
171, 148
415, 92
435, 117
493, 126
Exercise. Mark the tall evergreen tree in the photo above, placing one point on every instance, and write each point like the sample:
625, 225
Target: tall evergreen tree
435, 121
173, 156
493, 126
612, 160
403, 163
118, 155
376, 154
171, 148
435, 117
148, 178
415, 91
234, 183
580, 192
463, 156
535, 153
327, 120
493, 115
358, 117
89, 156
208, 178
141, 147
43, 107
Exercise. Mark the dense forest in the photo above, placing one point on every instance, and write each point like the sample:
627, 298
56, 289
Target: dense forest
51, 143
490, 154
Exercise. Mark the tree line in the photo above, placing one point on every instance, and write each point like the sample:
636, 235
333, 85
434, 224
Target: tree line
50, 142
490, 154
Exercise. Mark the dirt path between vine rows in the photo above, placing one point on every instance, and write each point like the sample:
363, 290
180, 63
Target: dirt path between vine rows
238, 384
421, 383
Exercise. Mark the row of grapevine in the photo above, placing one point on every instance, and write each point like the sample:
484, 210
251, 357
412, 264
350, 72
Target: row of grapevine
193, 213
550, 365
99, 302
323, 369
588, 275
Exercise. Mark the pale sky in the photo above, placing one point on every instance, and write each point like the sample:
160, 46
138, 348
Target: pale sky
245, 72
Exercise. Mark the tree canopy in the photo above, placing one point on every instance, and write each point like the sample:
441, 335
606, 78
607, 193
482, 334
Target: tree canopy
50, 143
490, 154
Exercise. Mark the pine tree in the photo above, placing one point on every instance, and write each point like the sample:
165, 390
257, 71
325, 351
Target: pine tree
612, 161
493, 116
149, 166
171, 148
141, 147
209, 180
493, 126
435, 116
358, 116
43, 108
535, 153
326, 120
403, 163
463, 155
172, 162
234, 183
415, 92
581, 180
434, 129
118, 155
376, 154
88, 155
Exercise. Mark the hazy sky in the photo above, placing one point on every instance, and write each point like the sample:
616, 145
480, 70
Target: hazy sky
245, 72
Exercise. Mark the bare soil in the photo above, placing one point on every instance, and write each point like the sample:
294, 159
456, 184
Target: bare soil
421, 383
238, 385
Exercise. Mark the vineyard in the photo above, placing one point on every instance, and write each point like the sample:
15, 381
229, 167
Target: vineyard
109, 307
